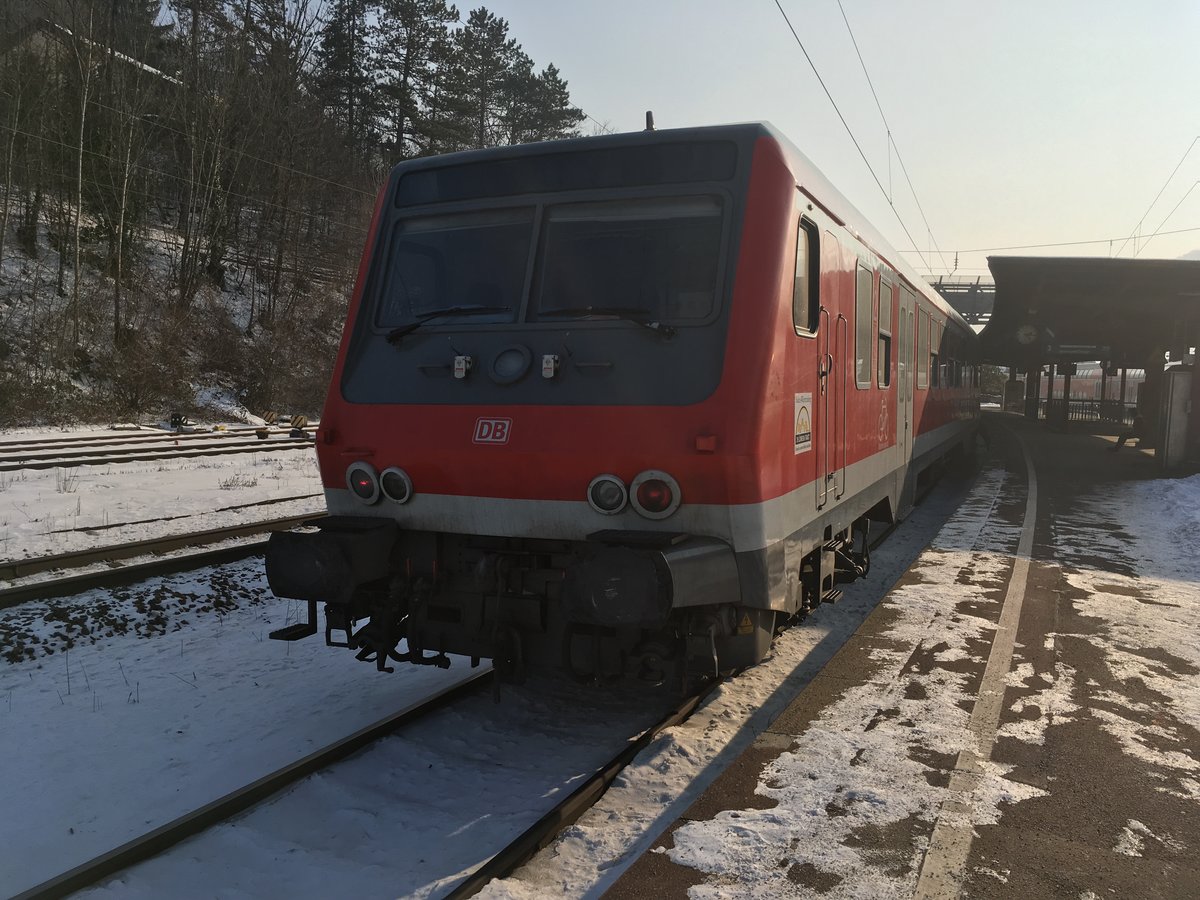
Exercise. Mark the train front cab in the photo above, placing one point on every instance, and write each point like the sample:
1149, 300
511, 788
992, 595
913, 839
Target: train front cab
802, 443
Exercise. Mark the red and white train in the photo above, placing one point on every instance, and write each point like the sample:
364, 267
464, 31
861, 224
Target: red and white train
618, 404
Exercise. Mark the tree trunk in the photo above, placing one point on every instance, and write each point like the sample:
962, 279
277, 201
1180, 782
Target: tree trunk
8, 181
85, 80
119, 274
60, 219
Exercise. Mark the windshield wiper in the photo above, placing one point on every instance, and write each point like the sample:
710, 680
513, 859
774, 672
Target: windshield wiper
635, 314
394, 336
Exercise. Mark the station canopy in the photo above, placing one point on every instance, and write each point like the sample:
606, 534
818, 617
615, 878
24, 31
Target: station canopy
1065, 309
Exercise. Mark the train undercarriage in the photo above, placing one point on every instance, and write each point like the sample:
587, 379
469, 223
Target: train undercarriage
655, 606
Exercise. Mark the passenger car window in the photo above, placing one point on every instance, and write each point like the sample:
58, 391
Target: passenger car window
923, 350
864, 326
884, 361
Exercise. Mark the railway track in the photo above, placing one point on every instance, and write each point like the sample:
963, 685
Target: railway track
543, 832
567, 812
93, 529
503, 863
166, 836
11, 447
100, 456
134, 572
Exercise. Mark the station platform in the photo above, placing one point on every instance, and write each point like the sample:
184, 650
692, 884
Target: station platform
1019, 717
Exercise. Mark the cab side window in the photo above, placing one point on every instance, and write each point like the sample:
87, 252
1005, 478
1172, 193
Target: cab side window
805, 288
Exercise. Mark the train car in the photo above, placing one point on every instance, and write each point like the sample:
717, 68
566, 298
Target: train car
619, 405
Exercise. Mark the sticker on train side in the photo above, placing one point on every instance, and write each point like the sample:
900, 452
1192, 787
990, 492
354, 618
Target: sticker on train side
803, 420
492, 431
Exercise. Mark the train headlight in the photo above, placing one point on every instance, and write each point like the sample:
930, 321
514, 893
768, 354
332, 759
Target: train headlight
363, 482
655, 494
606, 494
396, 485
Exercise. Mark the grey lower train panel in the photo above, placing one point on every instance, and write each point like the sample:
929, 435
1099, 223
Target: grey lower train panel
617, 577
770, 578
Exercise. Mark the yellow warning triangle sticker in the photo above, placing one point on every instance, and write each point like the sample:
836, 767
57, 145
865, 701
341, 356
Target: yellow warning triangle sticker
745, 626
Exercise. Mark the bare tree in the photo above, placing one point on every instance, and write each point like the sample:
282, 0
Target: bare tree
82, 46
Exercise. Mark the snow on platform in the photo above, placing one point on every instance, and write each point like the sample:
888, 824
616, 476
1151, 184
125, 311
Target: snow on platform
1090, 782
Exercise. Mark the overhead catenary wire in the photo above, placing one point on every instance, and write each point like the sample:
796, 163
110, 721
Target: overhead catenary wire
1157, 231
892, 141
849, 131
1159, 194
1059, 243
604, 127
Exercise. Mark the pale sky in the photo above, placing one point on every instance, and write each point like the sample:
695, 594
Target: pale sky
1019, 122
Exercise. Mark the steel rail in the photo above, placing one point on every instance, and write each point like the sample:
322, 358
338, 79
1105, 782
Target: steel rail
135, 572
166, 836
36, 454
548, 827
116, 457
92, 529
133, 437
566, 813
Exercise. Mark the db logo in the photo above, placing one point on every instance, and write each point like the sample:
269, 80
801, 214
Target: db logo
492, 431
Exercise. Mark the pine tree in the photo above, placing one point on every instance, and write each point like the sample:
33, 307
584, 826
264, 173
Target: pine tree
484, 60
411, 45
344, 80
537, 107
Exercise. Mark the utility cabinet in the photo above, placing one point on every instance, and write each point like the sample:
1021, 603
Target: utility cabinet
1175, 413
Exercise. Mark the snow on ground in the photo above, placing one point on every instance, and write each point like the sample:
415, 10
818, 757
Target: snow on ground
863, 767
414, 814
170, 695
125, 732
1146, 616
670, 775
46, 511
129, 730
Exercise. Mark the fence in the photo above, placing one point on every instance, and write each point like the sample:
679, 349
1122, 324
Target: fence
1113, 411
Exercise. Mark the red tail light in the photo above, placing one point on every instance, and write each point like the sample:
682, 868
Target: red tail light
363, 482
655, 494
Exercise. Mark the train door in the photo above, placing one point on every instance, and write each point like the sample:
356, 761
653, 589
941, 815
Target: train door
842, 372
832, 337
904, 388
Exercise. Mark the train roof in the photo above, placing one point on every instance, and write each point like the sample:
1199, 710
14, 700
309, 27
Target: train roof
834, 202
743, 134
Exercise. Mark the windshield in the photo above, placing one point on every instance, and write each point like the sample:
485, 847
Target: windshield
473, 259
656, 256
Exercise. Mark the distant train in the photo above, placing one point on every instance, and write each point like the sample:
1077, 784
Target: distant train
620, 405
